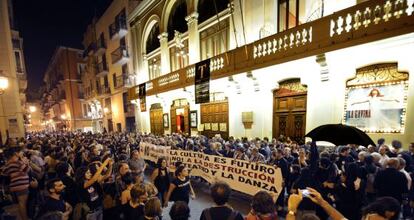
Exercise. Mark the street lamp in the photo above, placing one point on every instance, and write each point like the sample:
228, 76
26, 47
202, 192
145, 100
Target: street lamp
4, 84
63, 117
32, 108
106, 110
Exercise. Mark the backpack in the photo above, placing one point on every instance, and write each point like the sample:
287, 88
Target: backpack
370, 181
232, 215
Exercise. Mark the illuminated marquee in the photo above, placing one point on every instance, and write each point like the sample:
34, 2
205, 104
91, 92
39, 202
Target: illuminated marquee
376, 99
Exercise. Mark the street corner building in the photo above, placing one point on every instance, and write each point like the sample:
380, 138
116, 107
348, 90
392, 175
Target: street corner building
13, 78
275, 67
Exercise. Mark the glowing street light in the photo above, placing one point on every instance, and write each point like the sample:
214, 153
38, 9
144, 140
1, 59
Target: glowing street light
63, 117
32, 108
4, 84
106, 110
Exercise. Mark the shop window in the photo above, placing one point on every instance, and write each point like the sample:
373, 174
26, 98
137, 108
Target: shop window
215, 40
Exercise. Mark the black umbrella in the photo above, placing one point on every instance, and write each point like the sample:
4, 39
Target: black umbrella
340, 134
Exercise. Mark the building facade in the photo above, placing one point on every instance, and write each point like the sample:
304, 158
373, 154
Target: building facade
277, 67
107, 75
12, 67
63, 92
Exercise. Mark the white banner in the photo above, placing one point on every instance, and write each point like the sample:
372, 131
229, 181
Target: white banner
243, 176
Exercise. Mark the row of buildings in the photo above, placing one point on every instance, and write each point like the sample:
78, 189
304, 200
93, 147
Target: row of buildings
276, 68
14, 113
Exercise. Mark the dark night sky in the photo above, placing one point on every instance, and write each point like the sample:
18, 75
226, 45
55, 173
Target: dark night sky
46, 24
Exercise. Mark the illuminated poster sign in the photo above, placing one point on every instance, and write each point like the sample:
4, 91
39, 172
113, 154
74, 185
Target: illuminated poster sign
142, 97
376, 108
202, 82
376, 99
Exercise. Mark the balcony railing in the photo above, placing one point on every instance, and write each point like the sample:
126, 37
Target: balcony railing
366, 22
103, 90
120, 56
102, 68
100, 46
118, 29
89, 51
119, 82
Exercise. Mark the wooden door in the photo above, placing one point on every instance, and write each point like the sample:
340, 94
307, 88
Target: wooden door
173, 120
289, 112
156, 121
215, 113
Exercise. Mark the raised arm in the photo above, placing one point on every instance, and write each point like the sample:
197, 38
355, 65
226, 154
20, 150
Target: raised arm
97, 175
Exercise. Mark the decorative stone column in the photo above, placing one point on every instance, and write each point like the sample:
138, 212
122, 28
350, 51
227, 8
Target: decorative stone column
165, 53
193, 38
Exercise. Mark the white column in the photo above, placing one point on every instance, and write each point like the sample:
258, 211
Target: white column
193, 38
165, 53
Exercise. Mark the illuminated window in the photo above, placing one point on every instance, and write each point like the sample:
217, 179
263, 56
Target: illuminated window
288, 11
179, 56
154, 67
214, 40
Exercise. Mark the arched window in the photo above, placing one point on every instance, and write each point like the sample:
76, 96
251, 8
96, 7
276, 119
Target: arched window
153, 42
206, 8
176, 20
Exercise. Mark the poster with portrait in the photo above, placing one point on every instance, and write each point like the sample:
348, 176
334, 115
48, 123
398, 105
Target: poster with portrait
376, 108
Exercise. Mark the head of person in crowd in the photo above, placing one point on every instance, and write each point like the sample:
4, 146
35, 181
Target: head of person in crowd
123, 168
361, 156
376, 157
386, 207
220, 192
161, 163
402, 163
135, 155
180, 211
263, 204
13, 154
152, 209
371, 149
383, 150
380, 142
344, 151
411, 147
55, 186
396, 144
181, 171
63, 169
138, 194
393, 163
279, 154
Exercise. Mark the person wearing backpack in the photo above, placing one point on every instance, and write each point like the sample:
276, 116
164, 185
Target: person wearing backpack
220, 193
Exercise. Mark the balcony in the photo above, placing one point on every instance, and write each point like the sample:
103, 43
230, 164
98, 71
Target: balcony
118, 29
100, 46
22, 84
366, 22
120, 56
119, 82
81, 95
89, 51
104, 90
19, 70
102, 68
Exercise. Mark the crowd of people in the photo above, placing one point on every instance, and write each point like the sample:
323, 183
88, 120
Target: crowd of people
74, 175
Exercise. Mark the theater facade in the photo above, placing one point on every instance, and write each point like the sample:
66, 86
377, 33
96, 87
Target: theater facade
273, 67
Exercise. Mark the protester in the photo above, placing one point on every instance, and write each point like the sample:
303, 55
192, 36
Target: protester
161, 179
179, 211
180, 188
390, 181
110, 181
262, 207
54, 201
220, 193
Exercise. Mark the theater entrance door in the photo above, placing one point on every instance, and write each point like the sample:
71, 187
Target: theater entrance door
289, 110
